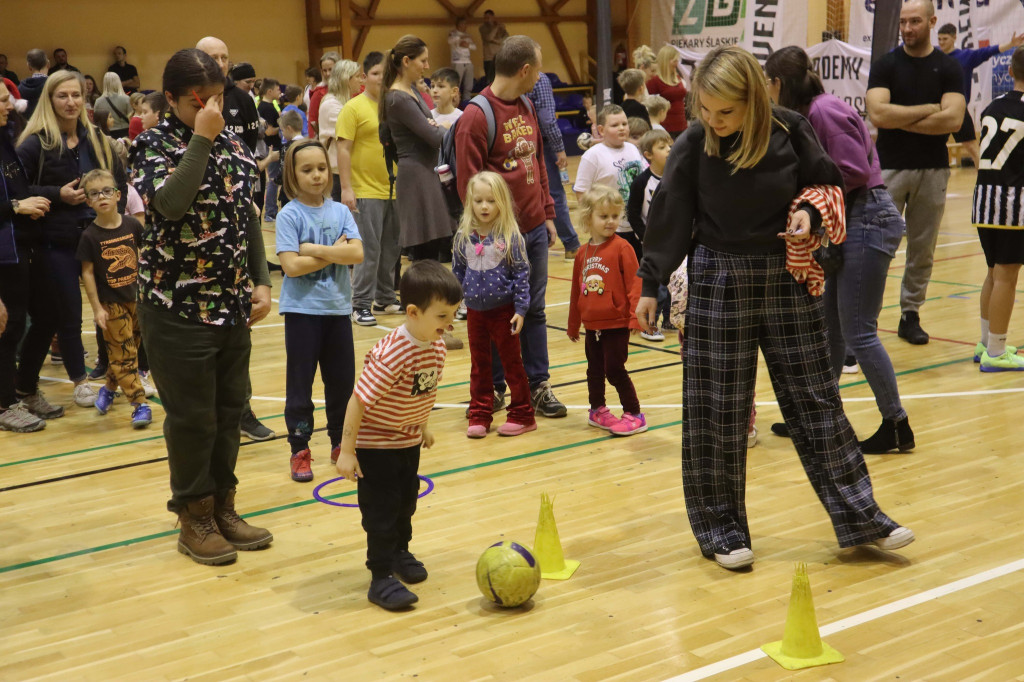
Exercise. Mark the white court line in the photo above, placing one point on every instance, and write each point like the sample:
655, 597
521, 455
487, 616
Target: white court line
861, 618
941, 246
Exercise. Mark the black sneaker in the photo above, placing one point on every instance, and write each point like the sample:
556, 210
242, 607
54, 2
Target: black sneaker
545, 403
910, 329
98, 372
408, 568
780, 429
365, 318
390, 594
497, 406
389, 309
253, 429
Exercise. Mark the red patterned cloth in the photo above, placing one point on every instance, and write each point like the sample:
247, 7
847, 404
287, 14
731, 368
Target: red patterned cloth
831, 204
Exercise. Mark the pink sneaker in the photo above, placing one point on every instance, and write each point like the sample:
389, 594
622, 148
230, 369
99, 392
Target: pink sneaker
602, 418
630, 424
476, 431
513, 429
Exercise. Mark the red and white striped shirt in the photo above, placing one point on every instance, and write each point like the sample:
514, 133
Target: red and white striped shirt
398, 388
831, 204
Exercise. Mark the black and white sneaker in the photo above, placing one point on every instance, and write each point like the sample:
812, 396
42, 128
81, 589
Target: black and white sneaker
253, 429
365, 318
462, 313
389, 309
545, 403
734, 557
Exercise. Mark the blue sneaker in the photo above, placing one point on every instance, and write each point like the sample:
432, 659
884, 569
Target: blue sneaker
104, 400
142, 416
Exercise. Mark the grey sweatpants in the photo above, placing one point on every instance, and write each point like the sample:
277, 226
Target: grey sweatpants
373, 280
921, 196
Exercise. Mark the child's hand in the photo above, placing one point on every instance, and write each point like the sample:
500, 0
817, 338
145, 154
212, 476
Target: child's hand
428, 438
100, 318
573, 336
517, 323
348, 466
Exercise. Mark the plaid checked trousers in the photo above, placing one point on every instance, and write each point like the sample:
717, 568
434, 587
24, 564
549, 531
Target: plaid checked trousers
737, 303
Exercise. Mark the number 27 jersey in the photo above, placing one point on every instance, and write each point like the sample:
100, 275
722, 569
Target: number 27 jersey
999, 193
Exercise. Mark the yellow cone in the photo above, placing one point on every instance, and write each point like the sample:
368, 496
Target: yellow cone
801, 645
548, 548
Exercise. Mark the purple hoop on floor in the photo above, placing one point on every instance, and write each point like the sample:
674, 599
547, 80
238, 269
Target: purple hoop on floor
319, 498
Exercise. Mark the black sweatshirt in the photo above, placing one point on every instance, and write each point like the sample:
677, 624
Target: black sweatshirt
701, 201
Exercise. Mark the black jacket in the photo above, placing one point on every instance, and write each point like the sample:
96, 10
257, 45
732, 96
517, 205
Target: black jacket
31, 88
49, 170
701, 200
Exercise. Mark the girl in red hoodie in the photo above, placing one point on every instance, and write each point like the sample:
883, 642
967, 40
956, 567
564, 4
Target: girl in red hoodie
603, 296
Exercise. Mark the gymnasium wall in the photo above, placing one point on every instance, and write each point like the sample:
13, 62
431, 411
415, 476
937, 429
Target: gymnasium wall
269, 33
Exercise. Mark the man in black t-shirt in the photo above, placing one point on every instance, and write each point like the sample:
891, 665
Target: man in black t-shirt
60, 61
128, 74
241, 118
915, 98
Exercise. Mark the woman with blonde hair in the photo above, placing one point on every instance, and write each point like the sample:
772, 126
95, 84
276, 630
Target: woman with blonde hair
645, 60
346, 79
57, 147
669, 84
114, 103
742, 297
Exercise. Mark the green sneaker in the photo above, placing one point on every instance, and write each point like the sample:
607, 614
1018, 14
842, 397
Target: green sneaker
980, 348
1007, 362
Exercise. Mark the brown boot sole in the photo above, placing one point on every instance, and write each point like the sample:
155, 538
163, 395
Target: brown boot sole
255, 544
207, 560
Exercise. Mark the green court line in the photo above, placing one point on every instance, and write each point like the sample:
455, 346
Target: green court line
911, 371
306, 503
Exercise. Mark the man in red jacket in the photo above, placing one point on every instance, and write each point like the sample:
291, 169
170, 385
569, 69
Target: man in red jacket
517, 155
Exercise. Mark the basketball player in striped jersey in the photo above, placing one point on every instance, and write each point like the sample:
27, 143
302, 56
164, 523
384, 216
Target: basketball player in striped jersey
998, 213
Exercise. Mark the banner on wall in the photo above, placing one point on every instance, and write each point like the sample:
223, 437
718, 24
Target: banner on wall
760, 26
995, 20
956, 12
844, 70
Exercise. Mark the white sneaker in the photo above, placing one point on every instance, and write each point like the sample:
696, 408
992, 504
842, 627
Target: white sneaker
735, 559
656, 335
752, 437
85, 395
147, 384
901, 537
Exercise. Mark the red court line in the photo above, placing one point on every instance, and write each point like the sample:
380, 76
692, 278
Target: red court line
939, 260
934, 338
564, 279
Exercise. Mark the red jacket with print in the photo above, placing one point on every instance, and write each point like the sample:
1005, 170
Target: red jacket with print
605, 289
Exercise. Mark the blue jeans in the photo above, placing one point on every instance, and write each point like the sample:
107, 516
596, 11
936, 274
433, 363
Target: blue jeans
534, 338
270, 195
563, 224
853, 295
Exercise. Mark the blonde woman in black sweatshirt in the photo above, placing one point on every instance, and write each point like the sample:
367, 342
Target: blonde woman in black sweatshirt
742, 297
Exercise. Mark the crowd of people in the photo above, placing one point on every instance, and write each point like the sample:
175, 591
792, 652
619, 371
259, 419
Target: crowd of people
161, 220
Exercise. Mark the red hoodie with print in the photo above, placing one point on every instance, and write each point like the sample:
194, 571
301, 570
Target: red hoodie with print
605, 289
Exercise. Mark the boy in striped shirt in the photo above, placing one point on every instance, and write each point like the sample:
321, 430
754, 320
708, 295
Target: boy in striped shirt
386, 423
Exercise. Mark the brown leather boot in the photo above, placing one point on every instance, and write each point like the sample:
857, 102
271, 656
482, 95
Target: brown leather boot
199, 536
234, 529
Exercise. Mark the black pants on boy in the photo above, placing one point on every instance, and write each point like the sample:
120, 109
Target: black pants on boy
311, 340
387, 501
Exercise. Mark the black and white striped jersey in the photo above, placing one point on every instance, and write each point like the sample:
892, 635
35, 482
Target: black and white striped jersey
999, 193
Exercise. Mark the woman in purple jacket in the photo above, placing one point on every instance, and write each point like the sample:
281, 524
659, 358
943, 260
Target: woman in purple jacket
874, 228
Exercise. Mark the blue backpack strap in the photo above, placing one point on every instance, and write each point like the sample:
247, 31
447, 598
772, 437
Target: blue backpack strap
492, 127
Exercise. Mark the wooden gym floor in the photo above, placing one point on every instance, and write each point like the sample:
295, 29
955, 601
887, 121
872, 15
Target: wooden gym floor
93, 588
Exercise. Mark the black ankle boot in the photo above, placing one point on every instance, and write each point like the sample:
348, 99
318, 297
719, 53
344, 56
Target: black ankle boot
891, 435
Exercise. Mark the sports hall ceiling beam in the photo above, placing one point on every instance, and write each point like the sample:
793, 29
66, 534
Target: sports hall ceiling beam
556, 35
448, 7
364, 31
314, 29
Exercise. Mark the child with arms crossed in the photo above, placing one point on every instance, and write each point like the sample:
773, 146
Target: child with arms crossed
316, 239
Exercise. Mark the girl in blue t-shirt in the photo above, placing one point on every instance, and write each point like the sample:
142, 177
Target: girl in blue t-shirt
317, 240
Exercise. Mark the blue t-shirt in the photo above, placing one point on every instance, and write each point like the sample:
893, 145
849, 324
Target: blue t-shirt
327, 291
